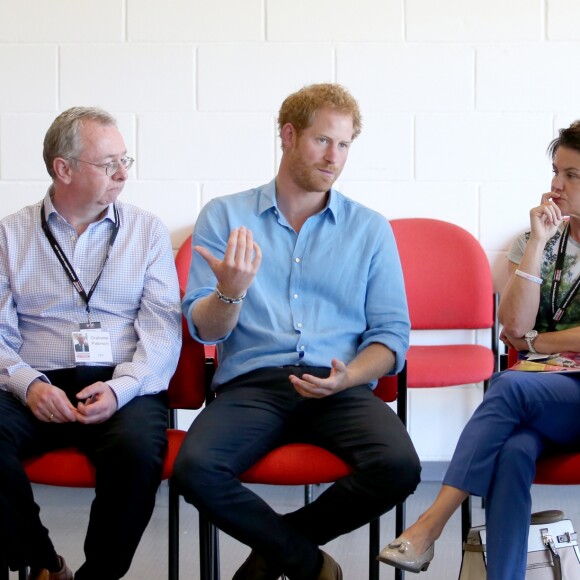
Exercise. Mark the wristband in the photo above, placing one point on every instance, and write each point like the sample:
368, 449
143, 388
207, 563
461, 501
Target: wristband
529, 277
229, 300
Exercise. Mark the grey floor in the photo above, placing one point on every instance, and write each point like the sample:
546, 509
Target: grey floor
65, 512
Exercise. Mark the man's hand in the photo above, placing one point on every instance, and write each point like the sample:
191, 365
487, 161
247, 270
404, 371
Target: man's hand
97, 403
49, 403
242, 258
315, 388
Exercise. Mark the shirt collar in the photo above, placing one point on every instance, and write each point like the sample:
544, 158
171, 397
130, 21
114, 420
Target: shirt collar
267, 201
49, 208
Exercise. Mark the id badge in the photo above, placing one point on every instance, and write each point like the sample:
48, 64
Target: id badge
92, 345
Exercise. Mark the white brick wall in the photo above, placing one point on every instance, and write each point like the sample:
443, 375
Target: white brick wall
459, 98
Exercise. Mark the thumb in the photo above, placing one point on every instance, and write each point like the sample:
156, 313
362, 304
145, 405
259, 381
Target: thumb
87, 392
338, 366
207, 256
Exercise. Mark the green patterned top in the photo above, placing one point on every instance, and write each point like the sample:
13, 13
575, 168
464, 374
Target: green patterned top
571, 271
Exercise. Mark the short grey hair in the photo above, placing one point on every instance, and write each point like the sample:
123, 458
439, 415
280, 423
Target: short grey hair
63, 138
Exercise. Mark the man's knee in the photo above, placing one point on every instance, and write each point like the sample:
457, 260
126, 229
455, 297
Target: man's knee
396, 472
194, 472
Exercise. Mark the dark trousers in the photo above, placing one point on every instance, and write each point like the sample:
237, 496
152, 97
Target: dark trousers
259, 411
128, 452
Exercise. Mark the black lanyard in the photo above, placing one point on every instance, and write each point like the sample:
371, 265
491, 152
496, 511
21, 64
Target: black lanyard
558, 311
67, 266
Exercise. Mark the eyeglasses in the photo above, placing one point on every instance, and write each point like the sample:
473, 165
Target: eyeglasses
113, 166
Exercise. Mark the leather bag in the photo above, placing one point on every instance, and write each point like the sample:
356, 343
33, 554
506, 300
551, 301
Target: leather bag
553, 552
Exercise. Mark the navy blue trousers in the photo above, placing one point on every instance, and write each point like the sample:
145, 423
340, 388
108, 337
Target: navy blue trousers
522, 414
259, 411
127, 450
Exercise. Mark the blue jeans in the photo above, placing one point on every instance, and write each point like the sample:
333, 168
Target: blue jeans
521, 414
256, 413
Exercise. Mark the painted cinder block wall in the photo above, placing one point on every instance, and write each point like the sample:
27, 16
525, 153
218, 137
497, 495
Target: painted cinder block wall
460, 99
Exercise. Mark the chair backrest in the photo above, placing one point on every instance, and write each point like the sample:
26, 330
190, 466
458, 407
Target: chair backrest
182, 263
447, 275
187, 388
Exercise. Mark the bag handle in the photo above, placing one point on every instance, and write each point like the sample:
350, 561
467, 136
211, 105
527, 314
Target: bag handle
549, 543
547, 517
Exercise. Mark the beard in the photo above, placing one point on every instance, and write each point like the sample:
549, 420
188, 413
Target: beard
309, 177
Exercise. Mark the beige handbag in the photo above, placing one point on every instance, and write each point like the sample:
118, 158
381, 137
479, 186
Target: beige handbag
553, 552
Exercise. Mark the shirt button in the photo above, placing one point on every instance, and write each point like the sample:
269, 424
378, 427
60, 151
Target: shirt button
299, 325
297, 260
302, 347
295, 296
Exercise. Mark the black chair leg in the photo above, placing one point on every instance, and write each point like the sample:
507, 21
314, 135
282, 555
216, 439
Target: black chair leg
173, 543
308, 494
400, 523
215, 552
205, 551
465, 518
23, 574
374, 547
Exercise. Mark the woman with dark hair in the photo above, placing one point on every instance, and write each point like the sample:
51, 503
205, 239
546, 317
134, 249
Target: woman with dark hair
522, 413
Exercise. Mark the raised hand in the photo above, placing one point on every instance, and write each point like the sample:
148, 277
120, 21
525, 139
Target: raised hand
241, 262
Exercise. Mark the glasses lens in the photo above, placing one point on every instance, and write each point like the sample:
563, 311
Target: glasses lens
112, 167
127, 162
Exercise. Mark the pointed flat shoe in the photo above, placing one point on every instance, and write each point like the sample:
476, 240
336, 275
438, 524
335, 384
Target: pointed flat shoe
402, 555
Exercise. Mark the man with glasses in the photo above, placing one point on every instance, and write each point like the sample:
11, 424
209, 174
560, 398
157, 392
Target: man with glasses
80, 261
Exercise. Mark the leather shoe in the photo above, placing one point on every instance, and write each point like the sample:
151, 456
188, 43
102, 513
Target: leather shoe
256, 568
330, 569
63, 574
402, 554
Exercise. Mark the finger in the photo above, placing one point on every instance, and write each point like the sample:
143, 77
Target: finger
243, 236
305, 392
249, 247
207, 256
231, 247
62, 413
257, 257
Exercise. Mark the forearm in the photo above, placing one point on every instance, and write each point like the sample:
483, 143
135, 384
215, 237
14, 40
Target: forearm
558, 341
370, 364
214, 318
521, 298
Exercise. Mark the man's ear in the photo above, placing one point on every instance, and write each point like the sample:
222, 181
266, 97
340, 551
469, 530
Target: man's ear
62, 169
288, 135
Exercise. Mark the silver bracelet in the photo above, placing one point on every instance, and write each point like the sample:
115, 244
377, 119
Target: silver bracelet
229, 300
529, 277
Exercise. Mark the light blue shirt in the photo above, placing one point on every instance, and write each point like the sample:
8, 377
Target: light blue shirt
136, 299
327, 292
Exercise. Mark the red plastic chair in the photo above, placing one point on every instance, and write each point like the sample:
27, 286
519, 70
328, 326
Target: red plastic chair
182, 263
71, 468
449, 286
